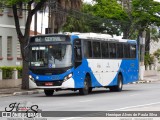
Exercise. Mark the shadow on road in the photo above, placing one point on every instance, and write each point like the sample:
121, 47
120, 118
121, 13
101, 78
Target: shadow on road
76, 93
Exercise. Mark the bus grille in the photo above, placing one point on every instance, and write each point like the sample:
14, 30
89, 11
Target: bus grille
55, 83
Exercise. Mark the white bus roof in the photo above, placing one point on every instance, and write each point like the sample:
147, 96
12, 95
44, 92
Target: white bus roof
99, 36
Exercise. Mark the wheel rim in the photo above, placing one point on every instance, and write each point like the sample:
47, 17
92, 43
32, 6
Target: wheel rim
86, 84
120, 82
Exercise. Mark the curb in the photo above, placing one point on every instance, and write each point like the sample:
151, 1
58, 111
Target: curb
28, 92
144, 81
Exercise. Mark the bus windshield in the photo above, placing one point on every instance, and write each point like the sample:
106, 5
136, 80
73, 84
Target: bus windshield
52, 56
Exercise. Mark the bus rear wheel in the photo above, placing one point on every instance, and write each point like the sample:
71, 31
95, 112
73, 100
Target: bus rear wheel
85, 89
119, 85
48, 92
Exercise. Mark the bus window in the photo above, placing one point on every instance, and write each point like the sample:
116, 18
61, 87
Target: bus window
96, 50
104, 47
77, 52
87, 49
112, 50
120, 50
133, 51
126, 50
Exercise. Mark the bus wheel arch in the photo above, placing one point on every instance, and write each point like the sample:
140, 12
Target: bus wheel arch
119, 86
90, 83
87, 85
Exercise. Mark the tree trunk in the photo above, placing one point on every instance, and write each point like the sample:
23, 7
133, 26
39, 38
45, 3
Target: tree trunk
126, 31
25, 77
147, 44
24, 38
52, 24
25, 70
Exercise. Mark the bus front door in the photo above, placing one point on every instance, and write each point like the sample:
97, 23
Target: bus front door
77, 56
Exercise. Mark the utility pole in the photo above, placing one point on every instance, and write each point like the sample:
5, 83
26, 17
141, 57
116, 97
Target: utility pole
35, 23
141, 54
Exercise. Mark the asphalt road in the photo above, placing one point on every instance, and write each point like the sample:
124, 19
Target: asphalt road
134, 97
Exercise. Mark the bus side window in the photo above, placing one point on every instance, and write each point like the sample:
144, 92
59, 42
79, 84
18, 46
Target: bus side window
96, 50
87, 48
119, 50
104, 47
77, 53
127, 50
133, 51
112, 50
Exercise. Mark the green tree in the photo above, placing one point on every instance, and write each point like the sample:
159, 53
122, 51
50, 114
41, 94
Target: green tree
144, 14
105, 16
60, 13
24, 37
157, 54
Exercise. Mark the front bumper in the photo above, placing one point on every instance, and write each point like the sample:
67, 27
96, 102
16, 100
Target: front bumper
57, 84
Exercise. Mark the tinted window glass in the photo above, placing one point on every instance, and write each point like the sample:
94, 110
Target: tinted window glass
87, 49
96, 50
112, 50
104, 48
133, 51
126, 50
120, 50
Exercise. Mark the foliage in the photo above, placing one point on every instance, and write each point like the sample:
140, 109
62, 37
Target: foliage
19, 69
75, 25
104, 16
148, 59
8, 71
144, 14
154, 34
157, 54
80, 23
108, 16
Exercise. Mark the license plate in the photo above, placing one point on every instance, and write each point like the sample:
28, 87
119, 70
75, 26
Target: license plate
48, 84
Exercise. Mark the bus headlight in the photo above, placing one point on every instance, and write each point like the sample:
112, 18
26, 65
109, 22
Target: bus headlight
31, 78
68, 76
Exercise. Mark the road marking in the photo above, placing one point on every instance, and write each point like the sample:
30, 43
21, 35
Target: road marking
136, 106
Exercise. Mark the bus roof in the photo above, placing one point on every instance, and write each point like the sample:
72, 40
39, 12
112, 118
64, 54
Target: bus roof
103, 37
92, 36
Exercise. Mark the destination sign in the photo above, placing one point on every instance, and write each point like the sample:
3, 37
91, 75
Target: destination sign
48, 38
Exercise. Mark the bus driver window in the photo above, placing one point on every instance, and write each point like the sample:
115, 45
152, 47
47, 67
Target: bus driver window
77, 55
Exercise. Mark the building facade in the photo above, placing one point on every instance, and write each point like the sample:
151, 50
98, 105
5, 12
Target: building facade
10, 54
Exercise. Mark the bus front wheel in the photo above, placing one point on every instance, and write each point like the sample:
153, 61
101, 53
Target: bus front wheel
48, 92
85, 89
119, 85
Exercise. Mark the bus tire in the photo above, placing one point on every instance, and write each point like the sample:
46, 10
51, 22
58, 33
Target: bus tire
48, 92
90, 90
85, 89
119, 85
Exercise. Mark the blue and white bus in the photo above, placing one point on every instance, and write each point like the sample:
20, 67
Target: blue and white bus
82, 62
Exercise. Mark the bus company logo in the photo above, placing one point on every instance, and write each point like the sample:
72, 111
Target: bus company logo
21, 110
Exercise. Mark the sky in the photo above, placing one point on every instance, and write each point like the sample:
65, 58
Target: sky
87, 1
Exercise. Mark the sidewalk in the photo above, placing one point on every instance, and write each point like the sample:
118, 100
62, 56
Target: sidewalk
19, 91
